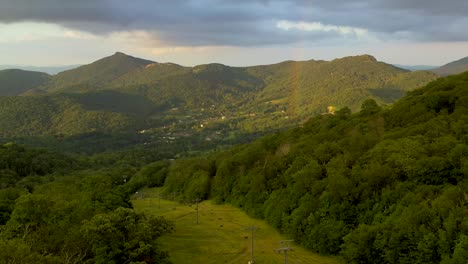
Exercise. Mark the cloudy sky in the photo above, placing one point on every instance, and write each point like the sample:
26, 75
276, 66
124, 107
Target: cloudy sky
233, 32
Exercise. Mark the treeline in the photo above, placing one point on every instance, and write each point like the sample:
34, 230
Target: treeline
52, 210
378, 186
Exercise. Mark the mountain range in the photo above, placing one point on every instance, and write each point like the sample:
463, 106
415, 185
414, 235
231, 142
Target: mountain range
121, 93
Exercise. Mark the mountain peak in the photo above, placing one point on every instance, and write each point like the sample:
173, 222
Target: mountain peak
358, 58
368, 57
98, 73
118, 53
365, 57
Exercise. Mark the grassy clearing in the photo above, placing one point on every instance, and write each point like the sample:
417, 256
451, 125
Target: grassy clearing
220, 236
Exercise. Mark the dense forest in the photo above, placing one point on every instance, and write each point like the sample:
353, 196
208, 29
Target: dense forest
59, 209
378, 186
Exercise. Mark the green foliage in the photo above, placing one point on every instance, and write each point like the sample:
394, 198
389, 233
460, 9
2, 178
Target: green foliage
380, 186
49, 206
369, 107
122, 236
16, 251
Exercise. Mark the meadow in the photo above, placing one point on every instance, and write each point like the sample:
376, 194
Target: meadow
221, 236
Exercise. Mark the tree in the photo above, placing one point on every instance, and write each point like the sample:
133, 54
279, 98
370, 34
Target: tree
123, 236
369, 107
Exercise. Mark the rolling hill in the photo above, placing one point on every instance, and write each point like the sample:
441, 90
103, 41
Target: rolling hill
14, 82
454, 67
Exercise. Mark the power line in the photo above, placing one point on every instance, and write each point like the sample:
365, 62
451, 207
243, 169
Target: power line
252, 229
285, 248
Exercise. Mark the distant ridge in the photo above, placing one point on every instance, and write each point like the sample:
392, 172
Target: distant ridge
452, 68
416, 67
47, 69
14, 81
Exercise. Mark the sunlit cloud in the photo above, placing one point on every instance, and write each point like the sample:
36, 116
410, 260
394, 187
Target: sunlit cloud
75, 34
320, 27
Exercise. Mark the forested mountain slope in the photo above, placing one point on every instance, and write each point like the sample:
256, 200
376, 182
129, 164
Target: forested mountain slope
377, 186
72, 113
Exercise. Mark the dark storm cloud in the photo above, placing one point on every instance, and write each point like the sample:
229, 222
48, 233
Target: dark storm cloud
248, 22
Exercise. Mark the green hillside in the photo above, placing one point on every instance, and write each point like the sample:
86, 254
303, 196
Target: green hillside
15, 82
307, 88
71, 113
454, 67
377, 186
218, 223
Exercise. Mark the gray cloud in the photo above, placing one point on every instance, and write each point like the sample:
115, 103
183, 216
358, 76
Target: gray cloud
248, 22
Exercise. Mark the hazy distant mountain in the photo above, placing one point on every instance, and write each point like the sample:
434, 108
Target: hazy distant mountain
47, 69
451, 68
15, 82
93, 97
416, 67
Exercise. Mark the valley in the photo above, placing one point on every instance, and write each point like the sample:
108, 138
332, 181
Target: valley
208, 131
358, 167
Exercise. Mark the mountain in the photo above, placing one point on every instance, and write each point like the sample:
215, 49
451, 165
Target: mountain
96, 74
14, 81
175, 85
416, 67
454, 67
377, 186
47, 69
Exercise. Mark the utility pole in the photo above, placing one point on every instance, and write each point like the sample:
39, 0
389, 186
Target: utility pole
159, 200
252, 229
173, 199
196, 201
285, 248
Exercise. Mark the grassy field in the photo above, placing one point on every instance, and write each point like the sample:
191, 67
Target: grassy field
220, 236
